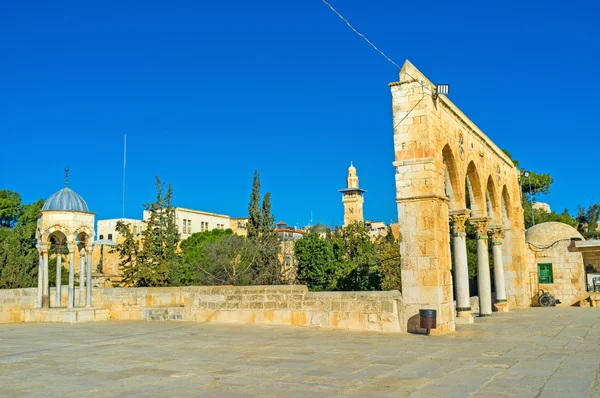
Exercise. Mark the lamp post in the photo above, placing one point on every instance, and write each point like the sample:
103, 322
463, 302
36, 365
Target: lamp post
526, 174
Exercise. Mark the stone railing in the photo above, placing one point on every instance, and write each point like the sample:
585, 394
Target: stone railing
281, 305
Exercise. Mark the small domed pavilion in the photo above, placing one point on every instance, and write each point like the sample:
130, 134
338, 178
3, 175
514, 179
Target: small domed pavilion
65, 222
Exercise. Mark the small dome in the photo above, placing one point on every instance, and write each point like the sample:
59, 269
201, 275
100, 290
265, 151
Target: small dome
547, 233
66, 200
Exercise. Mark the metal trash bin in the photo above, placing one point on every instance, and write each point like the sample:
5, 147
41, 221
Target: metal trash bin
427, 319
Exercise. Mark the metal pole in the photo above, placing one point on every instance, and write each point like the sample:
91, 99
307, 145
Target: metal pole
531, 200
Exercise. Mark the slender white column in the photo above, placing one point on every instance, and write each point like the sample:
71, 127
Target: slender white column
58, 300
497, 233
484, 283
71, 298
46, 282
88, 291
40, 277
461, 266
81, 276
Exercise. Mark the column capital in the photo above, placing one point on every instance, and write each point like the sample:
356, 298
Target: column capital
89, 248
458, 219
497, 233
481, 225
42, 247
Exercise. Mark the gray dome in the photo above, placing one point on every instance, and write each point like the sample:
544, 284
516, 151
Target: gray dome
66, 200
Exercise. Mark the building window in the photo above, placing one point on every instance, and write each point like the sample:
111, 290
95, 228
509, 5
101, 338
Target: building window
545, 273
109, 236
187, 226
288, 261
101, 236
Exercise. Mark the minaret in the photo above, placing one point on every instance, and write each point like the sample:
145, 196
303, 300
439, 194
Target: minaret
352, 198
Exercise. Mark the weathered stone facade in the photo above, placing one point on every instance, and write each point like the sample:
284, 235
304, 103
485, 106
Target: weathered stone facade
284, 305
439, 155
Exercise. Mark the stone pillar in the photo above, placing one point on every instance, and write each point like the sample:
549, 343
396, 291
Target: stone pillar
46, 282
58, 300
71, 298
497, 232
461, 266
422, 204
40, 276
484, 283
88, 286
81, 275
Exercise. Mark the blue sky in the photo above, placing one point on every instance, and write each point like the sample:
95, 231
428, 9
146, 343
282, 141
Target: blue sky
207, 92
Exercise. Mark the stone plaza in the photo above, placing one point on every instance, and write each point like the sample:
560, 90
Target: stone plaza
536, 352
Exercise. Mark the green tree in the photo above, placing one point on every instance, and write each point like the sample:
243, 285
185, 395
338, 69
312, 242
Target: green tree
317, 267
265, 265
228, 261
535, 183
254, 213
193, 257
387, 250
355, 252
19, 257
10, 208
587, 221
150, 263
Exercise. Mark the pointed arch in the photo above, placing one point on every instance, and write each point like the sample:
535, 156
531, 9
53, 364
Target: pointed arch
474, 190
492, 201
453, 187
506, 208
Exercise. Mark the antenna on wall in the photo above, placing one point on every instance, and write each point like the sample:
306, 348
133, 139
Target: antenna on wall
124, 166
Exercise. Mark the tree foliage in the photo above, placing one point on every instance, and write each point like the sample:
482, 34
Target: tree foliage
265, 268
317, 267
19, 258
150, 262
348, 259
587, 221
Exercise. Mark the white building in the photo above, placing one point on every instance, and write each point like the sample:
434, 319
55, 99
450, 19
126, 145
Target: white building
191, 221
107, 229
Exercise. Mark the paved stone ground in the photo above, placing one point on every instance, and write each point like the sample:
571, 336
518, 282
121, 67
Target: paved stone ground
552, 352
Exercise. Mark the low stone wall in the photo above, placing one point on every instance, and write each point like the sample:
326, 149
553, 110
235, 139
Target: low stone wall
281, 305
14, 302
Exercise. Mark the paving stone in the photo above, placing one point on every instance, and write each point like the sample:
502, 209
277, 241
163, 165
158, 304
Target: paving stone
523, 353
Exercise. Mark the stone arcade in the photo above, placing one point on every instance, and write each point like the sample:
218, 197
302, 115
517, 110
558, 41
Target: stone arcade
439, 155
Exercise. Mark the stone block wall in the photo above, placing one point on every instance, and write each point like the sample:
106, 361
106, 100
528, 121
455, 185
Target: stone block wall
568, 273
280, 305
14, 303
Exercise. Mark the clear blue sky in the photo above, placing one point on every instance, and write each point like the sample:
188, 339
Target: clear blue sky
207, 92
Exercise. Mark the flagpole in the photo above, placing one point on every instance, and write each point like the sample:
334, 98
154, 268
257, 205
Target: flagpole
124, 166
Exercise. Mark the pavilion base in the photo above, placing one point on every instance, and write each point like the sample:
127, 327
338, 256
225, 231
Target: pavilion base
66, 315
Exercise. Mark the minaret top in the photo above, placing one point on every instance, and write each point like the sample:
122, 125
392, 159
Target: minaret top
352, 180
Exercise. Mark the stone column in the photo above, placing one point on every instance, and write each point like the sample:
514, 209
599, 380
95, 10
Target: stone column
40, 276
497, 233
461, 266
484, 283
46, 282
88, 286
71, 298
81, 275
58, 300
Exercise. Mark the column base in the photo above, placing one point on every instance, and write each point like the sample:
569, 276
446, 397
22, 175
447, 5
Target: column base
501, 306
485, 315
465, 320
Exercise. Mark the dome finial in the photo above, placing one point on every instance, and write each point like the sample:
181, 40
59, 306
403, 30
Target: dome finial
66, 176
